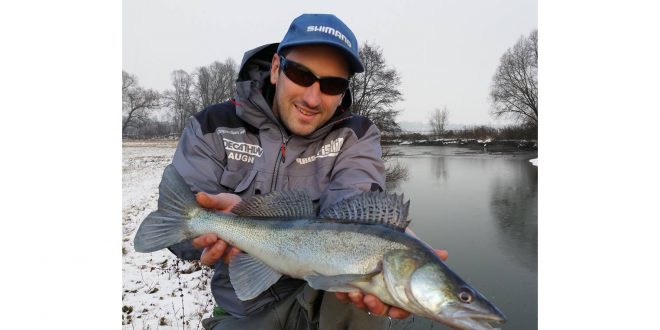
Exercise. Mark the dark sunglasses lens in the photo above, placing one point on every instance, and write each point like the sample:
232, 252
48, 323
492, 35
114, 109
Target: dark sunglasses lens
303, 77
298, 74
333, 86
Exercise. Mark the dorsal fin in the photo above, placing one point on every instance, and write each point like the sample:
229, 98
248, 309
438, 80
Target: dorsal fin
372, 207
291, 203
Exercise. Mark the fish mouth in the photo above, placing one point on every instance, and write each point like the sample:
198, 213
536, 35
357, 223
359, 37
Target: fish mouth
472, 319
473, 323
483, 321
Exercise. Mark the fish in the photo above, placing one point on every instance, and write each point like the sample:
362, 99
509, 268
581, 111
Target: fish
359, 244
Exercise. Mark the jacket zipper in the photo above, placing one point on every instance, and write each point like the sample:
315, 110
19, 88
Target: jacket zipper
281, 158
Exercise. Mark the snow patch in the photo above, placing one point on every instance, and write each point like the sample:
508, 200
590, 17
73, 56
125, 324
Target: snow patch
159, 291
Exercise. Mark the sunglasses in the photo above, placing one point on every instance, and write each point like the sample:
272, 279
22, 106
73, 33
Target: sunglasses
303, 76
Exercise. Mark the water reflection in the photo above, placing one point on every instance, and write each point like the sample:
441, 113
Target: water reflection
514, 204
396, 170
439, 169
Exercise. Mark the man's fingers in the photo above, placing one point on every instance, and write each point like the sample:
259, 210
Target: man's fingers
397, 313
231, 253
343, 297
356, 299
443, 254
375, 306
206, 200
221, 202
212, 254
204, 240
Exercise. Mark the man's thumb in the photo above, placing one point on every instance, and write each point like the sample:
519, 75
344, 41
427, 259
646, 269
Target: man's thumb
207, 201
222, 202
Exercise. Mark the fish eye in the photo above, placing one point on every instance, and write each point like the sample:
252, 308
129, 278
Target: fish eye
465, 295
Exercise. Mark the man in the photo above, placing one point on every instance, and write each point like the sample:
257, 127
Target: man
289, 127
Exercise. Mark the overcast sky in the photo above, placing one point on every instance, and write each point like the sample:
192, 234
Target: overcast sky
445, 51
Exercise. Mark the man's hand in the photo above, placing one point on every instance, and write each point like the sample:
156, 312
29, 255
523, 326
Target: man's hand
215, 248
373, 304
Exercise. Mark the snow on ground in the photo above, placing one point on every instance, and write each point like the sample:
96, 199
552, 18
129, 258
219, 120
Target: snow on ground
534, 161
158, 291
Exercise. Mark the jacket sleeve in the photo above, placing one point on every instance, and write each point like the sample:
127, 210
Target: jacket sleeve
200, 159
359, 167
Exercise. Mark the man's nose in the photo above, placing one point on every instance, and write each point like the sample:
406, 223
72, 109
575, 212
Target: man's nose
312, 96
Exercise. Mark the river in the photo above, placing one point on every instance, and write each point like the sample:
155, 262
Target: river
482, 208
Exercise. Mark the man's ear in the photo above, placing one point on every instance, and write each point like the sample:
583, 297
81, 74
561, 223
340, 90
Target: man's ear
274, 68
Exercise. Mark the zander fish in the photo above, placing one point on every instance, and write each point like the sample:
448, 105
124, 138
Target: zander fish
359, 244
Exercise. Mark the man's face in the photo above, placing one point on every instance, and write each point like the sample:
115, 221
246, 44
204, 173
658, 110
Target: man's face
301, 109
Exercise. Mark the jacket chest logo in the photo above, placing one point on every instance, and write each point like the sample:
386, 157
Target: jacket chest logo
327, 150
240, 151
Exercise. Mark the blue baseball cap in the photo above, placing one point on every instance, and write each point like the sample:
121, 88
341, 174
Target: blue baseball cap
323, 29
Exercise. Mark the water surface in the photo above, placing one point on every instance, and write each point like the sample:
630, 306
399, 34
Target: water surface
482, 208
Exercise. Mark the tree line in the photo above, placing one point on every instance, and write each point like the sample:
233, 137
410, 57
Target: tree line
376, 91
190, 93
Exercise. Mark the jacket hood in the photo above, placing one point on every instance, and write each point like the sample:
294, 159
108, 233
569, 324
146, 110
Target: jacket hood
255, 93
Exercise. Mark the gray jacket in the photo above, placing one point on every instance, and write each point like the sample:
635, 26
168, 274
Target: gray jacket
240, 147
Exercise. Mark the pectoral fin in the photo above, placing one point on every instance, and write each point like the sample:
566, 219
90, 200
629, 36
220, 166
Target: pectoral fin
250, 277
337, 283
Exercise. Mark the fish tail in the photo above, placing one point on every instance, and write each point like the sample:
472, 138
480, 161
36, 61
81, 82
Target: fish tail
167, 225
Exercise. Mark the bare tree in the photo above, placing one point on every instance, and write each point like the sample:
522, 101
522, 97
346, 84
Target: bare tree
136, 102
376, 90
514, 89
215, 83
438, 120
180, 99
127, 81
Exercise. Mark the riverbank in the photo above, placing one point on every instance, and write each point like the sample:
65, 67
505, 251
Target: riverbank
491, 144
